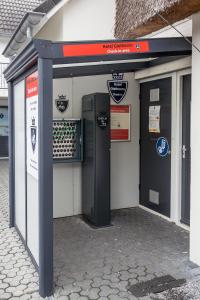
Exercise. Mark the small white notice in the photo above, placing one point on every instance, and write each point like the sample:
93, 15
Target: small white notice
32, 124
154, 119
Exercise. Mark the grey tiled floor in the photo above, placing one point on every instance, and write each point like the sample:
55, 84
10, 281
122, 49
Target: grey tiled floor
93, 264
101, 264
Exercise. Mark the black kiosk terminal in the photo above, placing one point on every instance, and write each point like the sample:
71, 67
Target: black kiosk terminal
96, 159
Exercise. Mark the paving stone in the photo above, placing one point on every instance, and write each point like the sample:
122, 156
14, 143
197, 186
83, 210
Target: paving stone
84, 284
115, 297
69, 289
114, 277
25, 297
92, 264
91, 293
98, 281
106, 291
1, 292
64, 297
123, 295
122, 285
36, 296
10, 289
2, 276
17, 293
3, 286
5, 296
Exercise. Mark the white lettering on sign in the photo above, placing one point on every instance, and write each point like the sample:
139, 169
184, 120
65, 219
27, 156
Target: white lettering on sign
32, 124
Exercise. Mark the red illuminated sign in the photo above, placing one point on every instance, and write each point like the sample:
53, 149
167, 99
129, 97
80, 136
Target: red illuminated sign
32, 85
106, 48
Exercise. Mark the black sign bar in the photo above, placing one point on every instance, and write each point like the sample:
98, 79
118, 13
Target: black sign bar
119, 50
95, 51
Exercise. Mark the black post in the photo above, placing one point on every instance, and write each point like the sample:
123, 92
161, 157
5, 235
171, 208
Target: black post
11, 156
45, 75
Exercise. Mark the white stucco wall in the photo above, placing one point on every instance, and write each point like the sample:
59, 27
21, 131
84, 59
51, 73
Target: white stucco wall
183, 26
195, 146
53, 29
81, 20
3, 43
124, 155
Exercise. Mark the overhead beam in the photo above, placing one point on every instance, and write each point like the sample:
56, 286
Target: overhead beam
118, 50
95, 51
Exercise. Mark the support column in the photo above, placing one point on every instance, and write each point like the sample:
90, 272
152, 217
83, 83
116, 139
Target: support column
45, 178
195, 146
11, 157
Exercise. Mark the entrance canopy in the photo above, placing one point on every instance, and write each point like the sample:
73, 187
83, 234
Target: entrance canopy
96, 51
30, 76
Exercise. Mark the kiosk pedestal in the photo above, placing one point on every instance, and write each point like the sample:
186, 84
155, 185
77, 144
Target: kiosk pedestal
96, 163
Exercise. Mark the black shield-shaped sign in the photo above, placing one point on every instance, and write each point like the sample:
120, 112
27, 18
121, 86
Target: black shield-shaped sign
62, 103
33, 137
117, 89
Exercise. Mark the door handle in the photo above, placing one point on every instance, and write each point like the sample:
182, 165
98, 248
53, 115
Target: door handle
184, 150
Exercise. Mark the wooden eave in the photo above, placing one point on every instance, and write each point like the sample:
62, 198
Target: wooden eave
178, 11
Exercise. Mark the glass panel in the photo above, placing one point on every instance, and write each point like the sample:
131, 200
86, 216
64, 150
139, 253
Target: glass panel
3, 121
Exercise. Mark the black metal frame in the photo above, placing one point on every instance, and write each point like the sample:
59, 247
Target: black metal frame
45, 54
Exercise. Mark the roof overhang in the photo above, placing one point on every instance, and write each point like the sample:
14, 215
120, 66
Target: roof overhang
32, 23
135, 19
29, 21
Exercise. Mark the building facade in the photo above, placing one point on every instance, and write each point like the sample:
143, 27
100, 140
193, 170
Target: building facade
151, 17
157, 168
11, 14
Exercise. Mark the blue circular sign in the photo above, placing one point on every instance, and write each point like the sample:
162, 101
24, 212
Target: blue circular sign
162, 146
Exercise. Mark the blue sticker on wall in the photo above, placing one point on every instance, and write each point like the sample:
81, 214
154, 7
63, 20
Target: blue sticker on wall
162, 146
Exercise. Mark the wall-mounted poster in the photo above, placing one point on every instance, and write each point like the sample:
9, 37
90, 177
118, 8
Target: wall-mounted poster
32, 124
3, 121
120, 122
154, 119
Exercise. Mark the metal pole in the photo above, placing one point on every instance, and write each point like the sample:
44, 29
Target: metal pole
45, 75
11, 157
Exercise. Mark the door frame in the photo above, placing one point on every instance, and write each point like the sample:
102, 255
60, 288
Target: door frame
180, 75
176, 144
149, 80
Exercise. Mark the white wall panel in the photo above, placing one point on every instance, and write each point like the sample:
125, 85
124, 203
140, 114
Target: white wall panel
32, 111
33, 216
19, 109
195, 146
124, 155
62, 173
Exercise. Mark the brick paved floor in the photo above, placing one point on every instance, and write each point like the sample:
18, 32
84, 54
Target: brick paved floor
93, 264
18, 278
